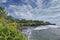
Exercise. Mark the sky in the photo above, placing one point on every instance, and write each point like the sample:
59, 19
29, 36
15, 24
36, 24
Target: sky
44, 10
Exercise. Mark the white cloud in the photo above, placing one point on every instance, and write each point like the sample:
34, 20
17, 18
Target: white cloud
22, 11
27, 9
3, 1
58, 14
51, 10
27, 12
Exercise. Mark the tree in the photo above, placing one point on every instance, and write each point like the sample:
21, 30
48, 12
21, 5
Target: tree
3, 13
11, 19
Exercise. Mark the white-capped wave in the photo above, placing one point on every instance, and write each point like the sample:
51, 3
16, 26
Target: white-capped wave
46, 27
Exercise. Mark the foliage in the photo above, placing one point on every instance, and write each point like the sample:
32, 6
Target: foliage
10, 33
32, 23
11, 19
3, 13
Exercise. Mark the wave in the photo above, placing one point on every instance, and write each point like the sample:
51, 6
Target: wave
46, 27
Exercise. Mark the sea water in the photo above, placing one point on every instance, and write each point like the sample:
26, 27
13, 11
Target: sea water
49, 32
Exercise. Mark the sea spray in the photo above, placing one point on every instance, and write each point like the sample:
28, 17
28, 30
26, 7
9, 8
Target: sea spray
27, 32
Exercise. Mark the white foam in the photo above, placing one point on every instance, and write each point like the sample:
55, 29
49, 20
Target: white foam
46, 27
53, 26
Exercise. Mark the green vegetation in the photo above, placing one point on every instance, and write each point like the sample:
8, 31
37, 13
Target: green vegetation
8, 29
32, 23
10, 33
24, 22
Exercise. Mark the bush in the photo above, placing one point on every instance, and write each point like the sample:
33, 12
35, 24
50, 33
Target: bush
10, 33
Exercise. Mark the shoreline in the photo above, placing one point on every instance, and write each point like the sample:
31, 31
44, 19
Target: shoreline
26, 27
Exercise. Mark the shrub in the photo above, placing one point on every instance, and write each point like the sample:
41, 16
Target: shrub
10, 33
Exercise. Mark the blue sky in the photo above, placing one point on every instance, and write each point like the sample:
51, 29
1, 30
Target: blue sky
46, 10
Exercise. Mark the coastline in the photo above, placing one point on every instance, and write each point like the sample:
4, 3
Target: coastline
26, 27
